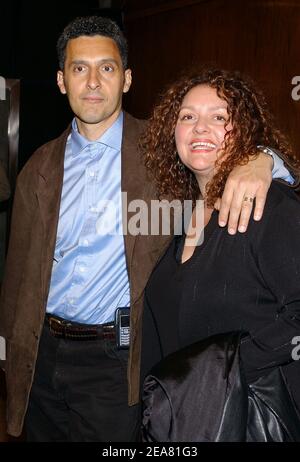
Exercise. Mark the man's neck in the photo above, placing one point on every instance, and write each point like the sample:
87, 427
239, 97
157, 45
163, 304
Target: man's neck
93, 132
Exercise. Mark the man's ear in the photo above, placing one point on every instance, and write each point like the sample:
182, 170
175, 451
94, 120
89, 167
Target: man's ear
61, 83
128, 80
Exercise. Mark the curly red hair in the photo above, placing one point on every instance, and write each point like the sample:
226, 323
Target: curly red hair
252, 125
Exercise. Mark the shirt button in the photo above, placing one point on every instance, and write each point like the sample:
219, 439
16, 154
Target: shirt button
92, 174
86, 242
82, 269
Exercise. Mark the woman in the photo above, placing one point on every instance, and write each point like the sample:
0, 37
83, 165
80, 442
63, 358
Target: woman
246, 283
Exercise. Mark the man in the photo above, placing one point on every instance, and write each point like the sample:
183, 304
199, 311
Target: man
65, 370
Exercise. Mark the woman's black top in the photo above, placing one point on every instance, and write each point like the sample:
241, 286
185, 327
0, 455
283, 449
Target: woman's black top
247, 282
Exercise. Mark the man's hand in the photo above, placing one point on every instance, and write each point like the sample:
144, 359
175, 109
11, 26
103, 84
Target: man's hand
245, 183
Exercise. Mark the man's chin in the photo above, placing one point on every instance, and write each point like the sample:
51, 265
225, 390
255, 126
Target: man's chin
93, 119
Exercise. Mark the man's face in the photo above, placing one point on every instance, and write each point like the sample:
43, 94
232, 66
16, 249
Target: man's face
94, 81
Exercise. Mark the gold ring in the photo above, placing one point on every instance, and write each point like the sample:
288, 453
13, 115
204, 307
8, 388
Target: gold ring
250, 199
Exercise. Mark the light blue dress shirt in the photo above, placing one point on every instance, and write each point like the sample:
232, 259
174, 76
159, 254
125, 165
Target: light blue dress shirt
89, 275
280, 171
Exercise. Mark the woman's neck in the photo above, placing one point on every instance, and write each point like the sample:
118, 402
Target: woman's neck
202, 181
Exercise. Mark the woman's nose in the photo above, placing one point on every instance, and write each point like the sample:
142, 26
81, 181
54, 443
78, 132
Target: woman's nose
201, 126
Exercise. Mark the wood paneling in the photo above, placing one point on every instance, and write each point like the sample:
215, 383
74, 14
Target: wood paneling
259, 38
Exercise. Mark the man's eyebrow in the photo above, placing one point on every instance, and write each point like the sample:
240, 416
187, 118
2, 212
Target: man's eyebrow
101, 61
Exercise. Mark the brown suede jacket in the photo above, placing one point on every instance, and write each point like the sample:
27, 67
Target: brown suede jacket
30, 258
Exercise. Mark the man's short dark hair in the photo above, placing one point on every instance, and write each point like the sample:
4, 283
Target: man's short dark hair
91, 26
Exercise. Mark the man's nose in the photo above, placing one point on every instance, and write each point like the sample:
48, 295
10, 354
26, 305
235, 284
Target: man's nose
93, 80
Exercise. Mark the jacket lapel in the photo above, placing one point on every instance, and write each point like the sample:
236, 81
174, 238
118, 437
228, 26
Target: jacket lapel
50, 180
132, 181
142, 252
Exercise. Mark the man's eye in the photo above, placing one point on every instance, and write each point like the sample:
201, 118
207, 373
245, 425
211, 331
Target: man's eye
108, 68
79, 68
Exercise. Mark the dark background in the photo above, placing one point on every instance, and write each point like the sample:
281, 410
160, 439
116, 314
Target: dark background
258, 37
29, 31
261, 38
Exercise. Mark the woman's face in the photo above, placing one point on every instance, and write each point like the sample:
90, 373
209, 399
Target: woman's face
200, 130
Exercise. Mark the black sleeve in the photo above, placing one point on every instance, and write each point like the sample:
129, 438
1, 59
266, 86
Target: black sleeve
278, 255
151, 349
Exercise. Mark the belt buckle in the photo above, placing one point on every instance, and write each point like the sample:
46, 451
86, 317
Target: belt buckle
57, 333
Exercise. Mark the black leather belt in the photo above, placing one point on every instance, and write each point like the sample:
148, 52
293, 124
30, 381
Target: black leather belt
62, 328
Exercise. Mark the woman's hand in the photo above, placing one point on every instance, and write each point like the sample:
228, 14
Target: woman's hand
244, 184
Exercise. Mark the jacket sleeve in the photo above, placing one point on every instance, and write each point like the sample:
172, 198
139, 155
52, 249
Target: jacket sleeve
278, 256
4, 185
23, 215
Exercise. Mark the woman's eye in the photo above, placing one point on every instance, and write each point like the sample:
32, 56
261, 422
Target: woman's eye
220, 118
186, 117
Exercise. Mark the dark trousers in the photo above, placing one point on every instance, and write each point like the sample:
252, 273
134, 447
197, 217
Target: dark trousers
79, 393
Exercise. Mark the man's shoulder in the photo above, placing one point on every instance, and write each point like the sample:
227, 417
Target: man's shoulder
43, 153
133, 125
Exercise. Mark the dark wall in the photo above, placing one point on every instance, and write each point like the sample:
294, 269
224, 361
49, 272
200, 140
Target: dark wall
28, 34
258, 37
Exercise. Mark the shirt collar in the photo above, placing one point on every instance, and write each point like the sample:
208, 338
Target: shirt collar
112, 137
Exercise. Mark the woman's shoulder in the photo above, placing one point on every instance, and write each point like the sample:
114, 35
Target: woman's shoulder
281, 215
282, 206
281, 198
